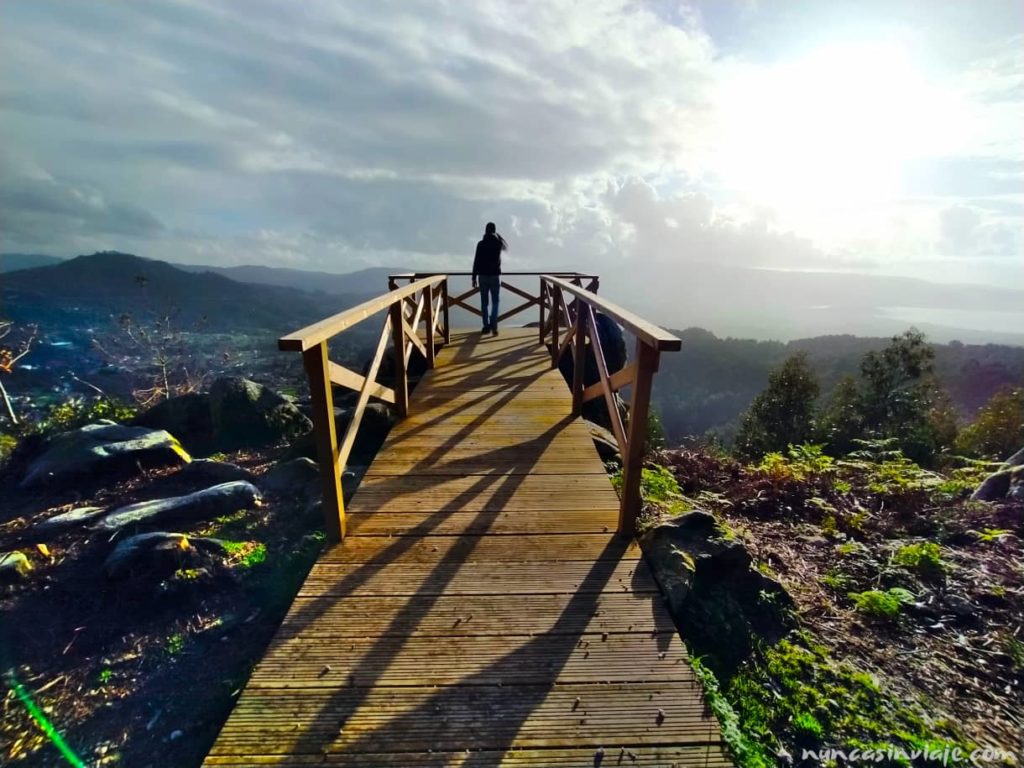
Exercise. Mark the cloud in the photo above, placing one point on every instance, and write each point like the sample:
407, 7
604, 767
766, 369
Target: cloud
338, 135
33, 206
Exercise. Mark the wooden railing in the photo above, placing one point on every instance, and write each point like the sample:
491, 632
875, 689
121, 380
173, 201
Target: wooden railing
463, 300
568, 305
422, 301
576, 317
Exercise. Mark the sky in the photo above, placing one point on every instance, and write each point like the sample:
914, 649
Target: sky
645, 141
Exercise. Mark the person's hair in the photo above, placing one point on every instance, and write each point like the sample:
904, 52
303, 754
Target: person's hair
490, 229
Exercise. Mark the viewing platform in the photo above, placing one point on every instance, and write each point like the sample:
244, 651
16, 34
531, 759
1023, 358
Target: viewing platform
482, 602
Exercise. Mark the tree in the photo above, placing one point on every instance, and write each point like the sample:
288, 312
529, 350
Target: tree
841, 421
998, 430
891, 379
18, 344
783, 414
900, 398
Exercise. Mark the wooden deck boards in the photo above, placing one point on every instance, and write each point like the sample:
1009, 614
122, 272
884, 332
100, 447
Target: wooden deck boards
481, 612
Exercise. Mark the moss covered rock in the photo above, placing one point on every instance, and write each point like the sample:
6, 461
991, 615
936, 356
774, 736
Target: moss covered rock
716, 598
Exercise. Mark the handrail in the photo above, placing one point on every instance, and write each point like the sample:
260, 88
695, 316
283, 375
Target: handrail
418, 275
401, 329
582, 335
311, 335
651, 333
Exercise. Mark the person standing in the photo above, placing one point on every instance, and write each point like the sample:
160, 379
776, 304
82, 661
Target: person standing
487, 270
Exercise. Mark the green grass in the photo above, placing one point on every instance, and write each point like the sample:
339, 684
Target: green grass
246, 554
923, 557
881, 605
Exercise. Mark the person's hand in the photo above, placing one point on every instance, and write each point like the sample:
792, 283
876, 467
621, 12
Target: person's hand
474, 282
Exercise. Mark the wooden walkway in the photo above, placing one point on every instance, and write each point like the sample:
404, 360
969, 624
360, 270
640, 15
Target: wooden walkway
481, 612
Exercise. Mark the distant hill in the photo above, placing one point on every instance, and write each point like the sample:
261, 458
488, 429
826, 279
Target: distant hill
708, 384
370, 281
110, 283
9, 262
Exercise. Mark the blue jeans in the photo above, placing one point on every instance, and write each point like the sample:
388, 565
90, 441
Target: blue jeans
489, 285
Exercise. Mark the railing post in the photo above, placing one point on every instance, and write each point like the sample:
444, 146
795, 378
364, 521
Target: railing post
428, 292
398, 339
633, 461
318, 373
556, 315
543, 295
579, 358
444, 312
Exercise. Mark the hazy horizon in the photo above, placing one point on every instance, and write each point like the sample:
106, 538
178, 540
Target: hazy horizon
702, 157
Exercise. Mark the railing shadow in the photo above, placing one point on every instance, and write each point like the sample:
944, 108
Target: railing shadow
528, 697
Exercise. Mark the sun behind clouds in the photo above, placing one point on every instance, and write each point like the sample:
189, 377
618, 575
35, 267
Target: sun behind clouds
836, 126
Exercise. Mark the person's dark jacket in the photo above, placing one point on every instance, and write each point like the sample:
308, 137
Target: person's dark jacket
488, 256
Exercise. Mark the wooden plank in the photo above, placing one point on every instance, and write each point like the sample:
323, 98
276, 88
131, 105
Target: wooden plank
492, 549
474, 578
638, 756
408, 718
299, 662
498, 524
479, 615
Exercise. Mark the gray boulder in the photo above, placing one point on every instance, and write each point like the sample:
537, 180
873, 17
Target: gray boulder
223, 499
187, 417
235, 413
377, 421
716, 598
1017, 460
295, 475
159, 552
245, 413
1005, 484
604, 441
14, 565
102, 449
70, 519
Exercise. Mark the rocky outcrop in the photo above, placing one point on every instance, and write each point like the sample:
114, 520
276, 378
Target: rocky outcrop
1006, 483
72, 519
203, 472
717, 599
187, 417
299, 475
160, 553
245, 413
223, 499
235, 413
604, 441
102, 450
613, 343
378, 419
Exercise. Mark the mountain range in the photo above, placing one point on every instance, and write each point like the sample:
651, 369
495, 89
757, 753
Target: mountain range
108, 284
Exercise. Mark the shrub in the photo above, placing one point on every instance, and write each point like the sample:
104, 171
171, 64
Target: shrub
78, 411
998, 430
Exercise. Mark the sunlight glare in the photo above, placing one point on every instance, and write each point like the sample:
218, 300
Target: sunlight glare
839, 125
